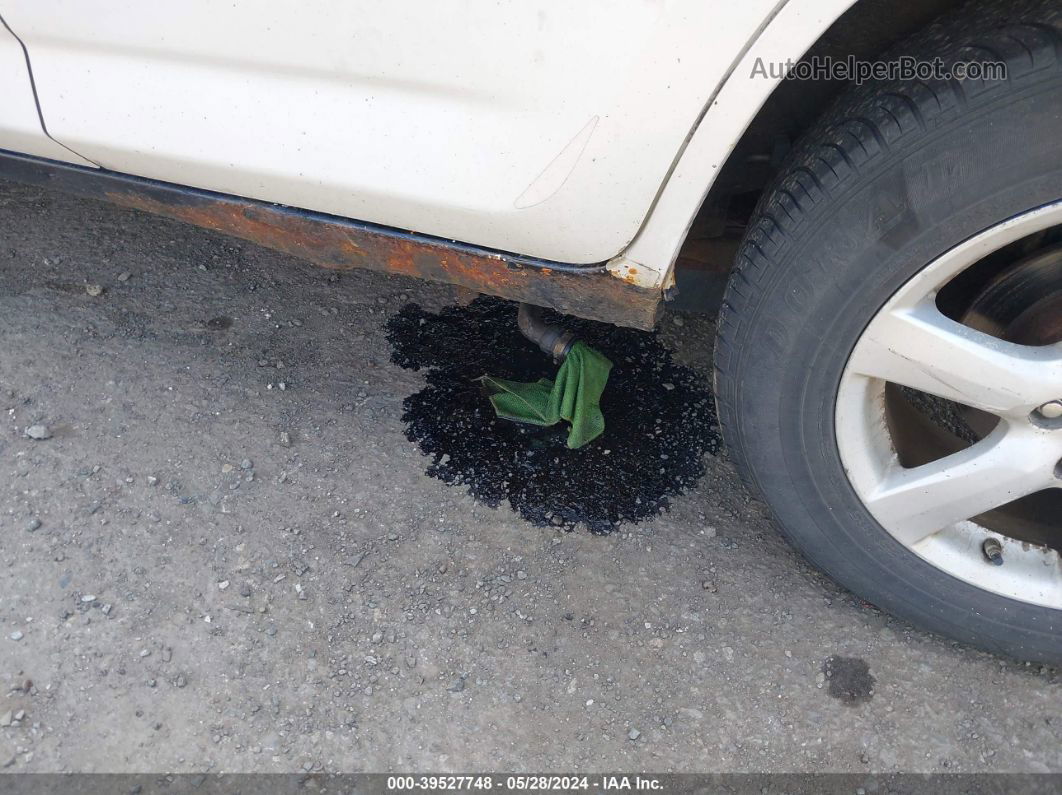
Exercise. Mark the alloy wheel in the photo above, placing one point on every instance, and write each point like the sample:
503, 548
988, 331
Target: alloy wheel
949, 411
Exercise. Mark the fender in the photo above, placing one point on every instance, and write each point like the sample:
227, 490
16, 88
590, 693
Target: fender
649, 260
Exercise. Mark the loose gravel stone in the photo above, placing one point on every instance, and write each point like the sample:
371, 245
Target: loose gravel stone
39, 432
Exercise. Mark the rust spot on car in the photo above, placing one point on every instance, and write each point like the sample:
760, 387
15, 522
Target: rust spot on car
587, 291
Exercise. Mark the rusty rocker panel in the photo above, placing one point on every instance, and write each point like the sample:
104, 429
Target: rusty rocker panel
587, 291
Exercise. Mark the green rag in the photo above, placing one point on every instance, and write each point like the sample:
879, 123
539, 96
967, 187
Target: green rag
575, 396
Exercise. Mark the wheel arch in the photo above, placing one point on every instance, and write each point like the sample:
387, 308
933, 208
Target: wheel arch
693, 229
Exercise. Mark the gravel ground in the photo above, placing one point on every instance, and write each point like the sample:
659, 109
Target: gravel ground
227, 557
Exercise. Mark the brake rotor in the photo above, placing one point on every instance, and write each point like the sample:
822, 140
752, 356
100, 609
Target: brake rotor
1023, 304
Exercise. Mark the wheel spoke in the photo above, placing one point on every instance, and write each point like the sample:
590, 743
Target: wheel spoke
919, 347
917, 502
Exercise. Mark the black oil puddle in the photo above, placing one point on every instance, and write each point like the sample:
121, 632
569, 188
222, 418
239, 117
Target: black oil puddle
849, 679
659, 418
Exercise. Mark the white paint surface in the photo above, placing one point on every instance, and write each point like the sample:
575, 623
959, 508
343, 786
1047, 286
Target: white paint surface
20, 125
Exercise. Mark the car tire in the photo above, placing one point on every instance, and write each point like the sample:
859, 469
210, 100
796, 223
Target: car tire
895, 175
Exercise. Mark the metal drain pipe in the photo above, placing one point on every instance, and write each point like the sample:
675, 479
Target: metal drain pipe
553, 340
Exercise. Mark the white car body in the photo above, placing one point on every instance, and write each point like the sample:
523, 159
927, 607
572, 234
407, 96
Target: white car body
574, 132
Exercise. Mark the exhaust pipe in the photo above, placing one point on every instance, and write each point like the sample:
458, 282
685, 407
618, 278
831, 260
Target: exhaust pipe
553, 340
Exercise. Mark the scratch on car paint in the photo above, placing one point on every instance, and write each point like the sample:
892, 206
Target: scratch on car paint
555, 174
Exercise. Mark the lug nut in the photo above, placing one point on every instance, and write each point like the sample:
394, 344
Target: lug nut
1052, 410
993, 551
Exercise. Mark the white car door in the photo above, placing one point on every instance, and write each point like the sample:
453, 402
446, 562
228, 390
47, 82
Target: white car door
21, 129
543, 127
